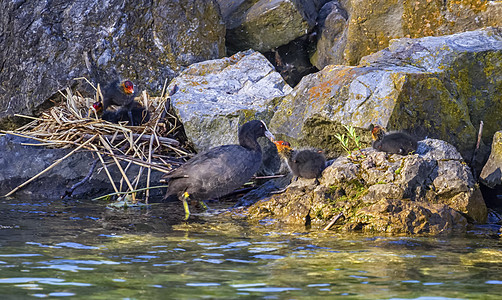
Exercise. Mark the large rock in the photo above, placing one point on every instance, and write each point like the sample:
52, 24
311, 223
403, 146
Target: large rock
20, 160
371, 25
431, 191
44, 44
215, 97
263, 25
332, 27
491, 175
439, 87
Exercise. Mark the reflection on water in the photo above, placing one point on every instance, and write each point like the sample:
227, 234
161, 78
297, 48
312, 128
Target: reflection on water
78, 250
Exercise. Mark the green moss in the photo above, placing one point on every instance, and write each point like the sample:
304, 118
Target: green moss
346, 198
428, 106
476, 85
322, 132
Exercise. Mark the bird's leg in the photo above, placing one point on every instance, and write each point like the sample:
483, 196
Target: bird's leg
131, 120
185, 205
204, 205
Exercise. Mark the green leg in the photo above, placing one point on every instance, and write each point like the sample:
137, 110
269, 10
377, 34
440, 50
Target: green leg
204, 205
185, 205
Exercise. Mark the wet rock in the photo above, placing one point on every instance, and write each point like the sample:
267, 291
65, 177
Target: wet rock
439, 87
44, 45
431, 191
20, 162
491, 175
215, 97
401, 216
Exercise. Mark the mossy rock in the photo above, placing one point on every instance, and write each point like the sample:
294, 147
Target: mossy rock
433, 192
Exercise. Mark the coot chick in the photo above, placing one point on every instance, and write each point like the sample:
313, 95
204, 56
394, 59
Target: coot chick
304, 163
119, 93
393, 142
140, 115
220, 170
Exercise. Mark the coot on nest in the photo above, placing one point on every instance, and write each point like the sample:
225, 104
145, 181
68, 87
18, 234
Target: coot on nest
393, 142
120, 92
220, 170
304, 163
136, 111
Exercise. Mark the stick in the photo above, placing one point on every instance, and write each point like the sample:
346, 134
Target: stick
137, 161
141, 137
106, 169
86, 178
270, 176
333, 221
480, 133
134, 191
105, 144
57, 162
28, 117
149, 172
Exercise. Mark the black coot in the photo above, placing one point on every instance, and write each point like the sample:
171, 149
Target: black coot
220, 170
304, 163
393, 142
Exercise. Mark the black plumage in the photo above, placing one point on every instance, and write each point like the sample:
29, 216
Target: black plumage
304, 163
120, 93
393, 142
139, 114
220, 170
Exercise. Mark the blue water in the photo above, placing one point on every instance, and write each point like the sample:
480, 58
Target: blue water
84, 250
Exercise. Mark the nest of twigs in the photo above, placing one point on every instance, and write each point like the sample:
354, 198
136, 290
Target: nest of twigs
75, 124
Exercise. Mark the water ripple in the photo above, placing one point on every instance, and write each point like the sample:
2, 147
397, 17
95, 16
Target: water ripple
77, 246
269, 289
50, 281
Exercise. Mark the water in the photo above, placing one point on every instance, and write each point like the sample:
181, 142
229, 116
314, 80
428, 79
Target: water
83, 250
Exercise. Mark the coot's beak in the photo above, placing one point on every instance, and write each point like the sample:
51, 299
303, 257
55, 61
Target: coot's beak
269, 135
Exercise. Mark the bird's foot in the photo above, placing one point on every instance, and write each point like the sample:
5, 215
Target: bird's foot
185, 205
204, 205
279, 191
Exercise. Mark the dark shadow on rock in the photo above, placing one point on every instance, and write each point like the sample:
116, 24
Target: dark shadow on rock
20, 162
292, 61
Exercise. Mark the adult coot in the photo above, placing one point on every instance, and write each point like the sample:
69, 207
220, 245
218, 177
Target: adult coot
303, 163
393, 142
220, 170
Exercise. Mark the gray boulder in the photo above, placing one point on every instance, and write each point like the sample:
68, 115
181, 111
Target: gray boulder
20, 160
491, 175
439, 87
215, 97
263, 25
372, 25
332, 29
431, 191
44, 45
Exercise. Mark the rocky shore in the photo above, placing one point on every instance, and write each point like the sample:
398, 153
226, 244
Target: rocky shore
309, 70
